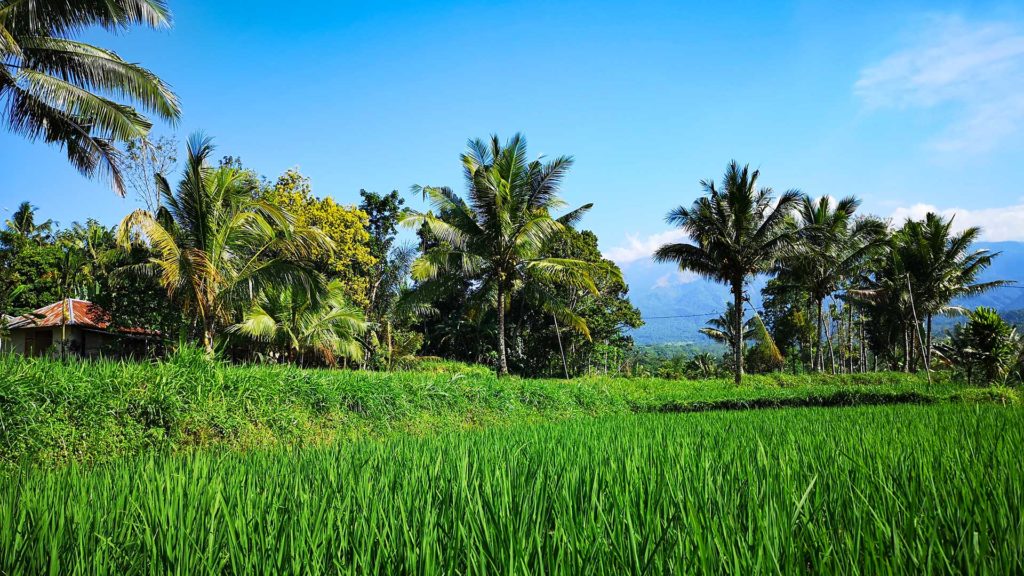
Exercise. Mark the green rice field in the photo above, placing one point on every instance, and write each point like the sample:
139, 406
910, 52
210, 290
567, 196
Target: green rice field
904, 489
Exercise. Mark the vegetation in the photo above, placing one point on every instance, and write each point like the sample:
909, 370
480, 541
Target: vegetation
738, 231
66, 411
214, 246
910, 489
57, 88
497, 239
238, 446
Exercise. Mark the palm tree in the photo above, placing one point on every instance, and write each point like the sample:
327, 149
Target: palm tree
23, 223
941, 266
296, 325
722, 329
215, 246
55, 87
833, 246
736, 232
499, 235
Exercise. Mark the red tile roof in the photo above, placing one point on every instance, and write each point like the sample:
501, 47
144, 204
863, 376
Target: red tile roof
70, 312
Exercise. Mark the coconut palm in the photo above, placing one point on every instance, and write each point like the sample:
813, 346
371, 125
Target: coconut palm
215, 246
941, 266
60, 89
296, 325
23, 224
722, 329
737, 231
497, 237
833, 246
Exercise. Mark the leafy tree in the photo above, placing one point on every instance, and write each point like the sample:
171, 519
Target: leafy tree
786, 313
348, 258
216, 246
497, 237
27, 255
297, 326
736, 232
131, 300
387, 278
59, 88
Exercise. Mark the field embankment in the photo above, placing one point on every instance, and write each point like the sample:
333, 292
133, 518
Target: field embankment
903, 489
54, 412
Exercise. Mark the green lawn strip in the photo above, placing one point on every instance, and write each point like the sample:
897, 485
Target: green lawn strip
54, 412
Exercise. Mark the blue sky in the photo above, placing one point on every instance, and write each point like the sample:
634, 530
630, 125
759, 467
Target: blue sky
909, 105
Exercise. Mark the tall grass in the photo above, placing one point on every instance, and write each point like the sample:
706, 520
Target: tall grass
54, 412
867, 490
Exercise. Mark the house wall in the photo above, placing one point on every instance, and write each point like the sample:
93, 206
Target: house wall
77, 342
15, 342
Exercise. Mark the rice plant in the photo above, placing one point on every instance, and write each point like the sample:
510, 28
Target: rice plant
865, 490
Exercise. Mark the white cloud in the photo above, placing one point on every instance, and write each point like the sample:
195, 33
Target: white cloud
977, 68
997, 224
675, 279
638, 248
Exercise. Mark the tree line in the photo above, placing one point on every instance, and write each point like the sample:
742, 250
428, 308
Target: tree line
256, 270
883, 285
268, 270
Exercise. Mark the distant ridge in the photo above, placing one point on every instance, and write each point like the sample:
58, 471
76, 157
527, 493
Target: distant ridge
677, 305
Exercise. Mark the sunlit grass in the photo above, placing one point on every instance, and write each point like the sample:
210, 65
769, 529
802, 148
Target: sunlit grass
869, 490
54, 412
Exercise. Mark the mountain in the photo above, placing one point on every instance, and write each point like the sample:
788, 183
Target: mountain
675, 305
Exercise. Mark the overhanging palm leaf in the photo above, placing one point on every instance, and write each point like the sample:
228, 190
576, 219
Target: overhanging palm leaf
60, 89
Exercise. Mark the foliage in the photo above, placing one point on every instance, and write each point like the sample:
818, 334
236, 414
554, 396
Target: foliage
57, 411
552, 320
349, 258
832, 247
58, 88
986, 347
390, 341
215, 247
881, 490
496, 240
738, 230
298, 326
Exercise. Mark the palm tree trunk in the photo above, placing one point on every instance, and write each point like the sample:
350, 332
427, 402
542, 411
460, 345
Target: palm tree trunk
928, 345
906, 348
502, 359
831, 350
849, 339
208, 339
737, 294
558, 334
863, 347
818, 361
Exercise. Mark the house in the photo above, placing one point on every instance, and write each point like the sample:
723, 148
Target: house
73, 327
